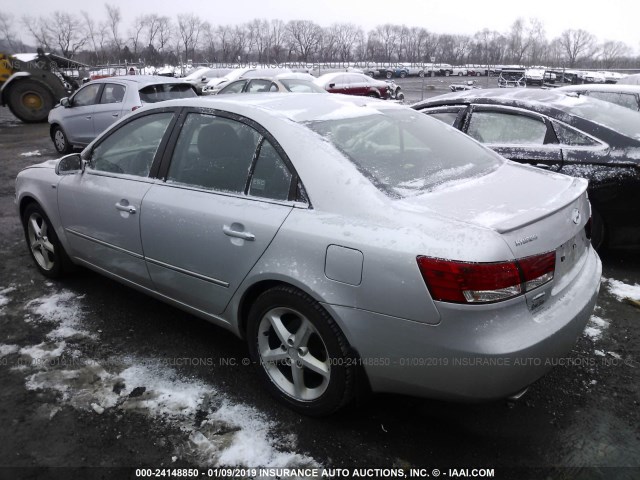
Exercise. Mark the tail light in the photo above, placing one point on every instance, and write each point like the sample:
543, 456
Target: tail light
465, 282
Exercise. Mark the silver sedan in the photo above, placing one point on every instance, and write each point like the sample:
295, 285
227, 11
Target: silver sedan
342, 237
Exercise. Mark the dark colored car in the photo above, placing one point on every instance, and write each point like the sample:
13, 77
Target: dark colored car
353, 84
578, 136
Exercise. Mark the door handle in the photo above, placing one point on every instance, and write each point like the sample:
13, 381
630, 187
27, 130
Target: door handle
126, 208
235, 233
114, 114
88, 117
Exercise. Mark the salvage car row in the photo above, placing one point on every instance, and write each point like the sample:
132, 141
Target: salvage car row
330, 231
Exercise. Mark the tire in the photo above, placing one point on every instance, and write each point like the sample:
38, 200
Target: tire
399, 96
43, 243
403, 74
421, 73
459, 74
30, 101
60, 141
389, 74
312, 374
598, 231
373, 95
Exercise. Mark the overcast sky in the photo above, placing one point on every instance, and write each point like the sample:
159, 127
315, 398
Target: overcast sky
607, 19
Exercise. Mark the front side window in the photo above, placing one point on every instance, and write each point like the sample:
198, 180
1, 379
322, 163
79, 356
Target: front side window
130, 149
86, 95
112, 93
213, 153
513, 129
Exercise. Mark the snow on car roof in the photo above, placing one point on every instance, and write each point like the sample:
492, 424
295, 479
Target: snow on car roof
298, 107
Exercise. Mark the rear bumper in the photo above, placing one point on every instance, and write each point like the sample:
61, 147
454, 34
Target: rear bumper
477, 353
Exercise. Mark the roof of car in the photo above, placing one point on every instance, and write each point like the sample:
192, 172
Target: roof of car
299, 107
608, 87
142, 80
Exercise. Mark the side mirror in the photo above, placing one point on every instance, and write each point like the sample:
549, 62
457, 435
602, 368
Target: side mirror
69, 164
65, 102
204, 79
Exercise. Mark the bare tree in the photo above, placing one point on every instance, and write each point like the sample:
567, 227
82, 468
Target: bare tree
189, 26
277, 40
8, 32
113, 21
576, 44
165, 33
66, 33
537, 41
135, 32
387, 35
518, 41
305, 38
611, 51
37, 27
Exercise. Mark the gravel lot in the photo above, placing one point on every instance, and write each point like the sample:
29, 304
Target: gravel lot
94, 374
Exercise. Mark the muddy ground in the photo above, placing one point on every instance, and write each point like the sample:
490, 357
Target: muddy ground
93, 374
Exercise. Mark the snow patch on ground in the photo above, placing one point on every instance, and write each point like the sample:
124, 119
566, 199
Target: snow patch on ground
62, 308
622, 290
217, 431
35, 153
3, 296
8, 350
596, 327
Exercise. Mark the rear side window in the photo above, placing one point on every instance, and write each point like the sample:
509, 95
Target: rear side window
271, 177
499, 127
404, 152
166, 91
213, 153
570, 136
130, 149
235, 87
258, 86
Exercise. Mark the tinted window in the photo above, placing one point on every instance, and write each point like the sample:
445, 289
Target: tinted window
447, 117
497, 127
131, 148
627, 100
166, 91
570, 136
112, 93
213, 153
405, 152
86, 95
271, 177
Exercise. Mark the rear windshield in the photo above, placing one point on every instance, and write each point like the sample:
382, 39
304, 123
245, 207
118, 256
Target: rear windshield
166, 91
405, 153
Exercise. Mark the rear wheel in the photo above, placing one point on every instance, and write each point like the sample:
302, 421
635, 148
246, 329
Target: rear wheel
300, 353
60, 141
403, 74
43, 243
389, 74
30, 101
421, 73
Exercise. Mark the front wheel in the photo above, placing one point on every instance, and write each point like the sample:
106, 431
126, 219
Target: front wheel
43, 243
300, 353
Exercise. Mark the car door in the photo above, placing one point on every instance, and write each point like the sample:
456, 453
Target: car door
339, 84
358, 85
100, 207
516, 134
209, 223
78, 117
109, 108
